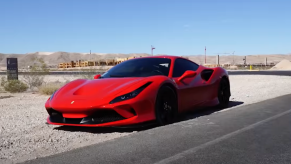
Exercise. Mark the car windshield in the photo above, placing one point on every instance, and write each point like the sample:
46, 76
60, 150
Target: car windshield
141, 67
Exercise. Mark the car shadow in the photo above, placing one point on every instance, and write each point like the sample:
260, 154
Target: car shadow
205, 111
149, 125
124, 129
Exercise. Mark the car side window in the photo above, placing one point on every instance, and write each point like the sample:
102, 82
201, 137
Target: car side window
182, 65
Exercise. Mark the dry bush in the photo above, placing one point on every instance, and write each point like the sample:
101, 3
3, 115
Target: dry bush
15, 86
50, 88
3, 81
34, 77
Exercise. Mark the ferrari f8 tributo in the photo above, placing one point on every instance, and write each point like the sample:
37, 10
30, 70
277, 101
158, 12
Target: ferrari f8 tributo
155, 88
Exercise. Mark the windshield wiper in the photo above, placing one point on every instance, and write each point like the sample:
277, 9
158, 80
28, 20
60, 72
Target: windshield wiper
116, 76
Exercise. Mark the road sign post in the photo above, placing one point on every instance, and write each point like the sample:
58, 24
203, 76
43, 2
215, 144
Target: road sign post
12, 69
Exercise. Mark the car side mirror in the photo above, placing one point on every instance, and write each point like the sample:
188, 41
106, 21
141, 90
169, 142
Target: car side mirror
187, 74
97, 76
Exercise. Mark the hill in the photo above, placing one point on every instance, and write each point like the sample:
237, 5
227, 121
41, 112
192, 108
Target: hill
250, 59
53, 58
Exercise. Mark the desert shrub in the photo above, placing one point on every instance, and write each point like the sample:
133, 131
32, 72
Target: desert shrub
50, 88
14, 86
34, 77
3, 81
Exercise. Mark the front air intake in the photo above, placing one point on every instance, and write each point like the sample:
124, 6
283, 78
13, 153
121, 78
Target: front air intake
98, 117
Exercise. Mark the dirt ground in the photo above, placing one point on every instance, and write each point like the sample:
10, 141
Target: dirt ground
25, 135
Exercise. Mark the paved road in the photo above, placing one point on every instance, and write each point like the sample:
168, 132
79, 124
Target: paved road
253, 134
281, 73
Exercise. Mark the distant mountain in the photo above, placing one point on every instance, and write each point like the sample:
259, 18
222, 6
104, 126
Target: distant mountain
54, 58
250, 59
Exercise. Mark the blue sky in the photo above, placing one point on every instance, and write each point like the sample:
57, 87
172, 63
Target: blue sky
174, 27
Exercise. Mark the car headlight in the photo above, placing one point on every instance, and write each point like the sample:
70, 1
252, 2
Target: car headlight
130, 95
52, 95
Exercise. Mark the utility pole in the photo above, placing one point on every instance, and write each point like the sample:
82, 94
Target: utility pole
153, 50
205, 54
233, 57
219, 54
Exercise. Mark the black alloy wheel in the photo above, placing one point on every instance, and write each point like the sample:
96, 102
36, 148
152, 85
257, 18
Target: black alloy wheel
166, 107
223, 93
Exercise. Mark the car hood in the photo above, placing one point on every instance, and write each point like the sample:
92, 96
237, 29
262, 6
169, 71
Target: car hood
99, 88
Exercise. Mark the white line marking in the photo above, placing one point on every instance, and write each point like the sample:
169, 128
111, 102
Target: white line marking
195, 149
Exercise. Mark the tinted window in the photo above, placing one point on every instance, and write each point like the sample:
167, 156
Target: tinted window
140, 67
182, 65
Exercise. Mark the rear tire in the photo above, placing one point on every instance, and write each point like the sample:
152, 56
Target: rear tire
223, 93
166, 107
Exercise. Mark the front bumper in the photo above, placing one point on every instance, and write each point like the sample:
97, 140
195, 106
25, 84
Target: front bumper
99, 117
120, 114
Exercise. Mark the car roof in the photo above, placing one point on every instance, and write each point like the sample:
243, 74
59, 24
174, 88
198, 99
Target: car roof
164, 56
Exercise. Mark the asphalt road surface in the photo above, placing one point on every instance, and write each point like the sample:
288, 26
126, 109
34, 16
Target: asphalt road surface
252, 134
267, 72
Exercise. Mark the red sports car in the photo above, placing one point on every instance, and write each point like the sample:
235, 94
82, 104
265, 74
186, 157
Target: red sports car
155, 88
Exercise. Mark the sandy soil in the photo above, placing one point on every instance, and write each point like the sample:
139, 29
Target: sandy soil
25, 135
282, 65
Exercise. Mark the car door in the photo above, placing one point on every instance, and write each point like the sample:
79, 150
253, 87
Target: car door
208, 86
189, 90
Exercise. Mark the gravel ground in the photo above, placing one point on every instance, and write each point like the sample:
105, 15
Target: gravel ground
25, 135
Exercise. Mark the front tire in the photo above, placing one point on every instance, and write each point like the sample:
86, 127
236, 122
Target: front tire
166, 106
